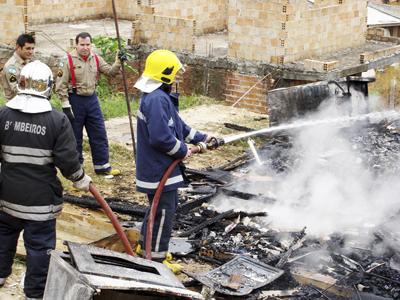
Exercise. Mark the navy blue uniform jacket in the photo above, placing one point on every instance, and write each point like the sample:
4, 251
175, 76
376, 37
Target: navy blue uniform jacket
161, 138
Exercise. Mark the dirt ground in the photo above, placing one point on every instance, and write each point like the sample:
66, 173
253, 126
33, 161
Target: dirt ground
207, 118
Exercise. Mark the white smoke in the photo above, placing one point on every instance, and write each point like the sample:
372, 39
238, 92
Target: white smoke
329, 188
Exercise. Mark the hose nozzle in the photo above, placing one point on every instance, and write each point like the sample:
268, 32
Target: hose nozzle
214, 143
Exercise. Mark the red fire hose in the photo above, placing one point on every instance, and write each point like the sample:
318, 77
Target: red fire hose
154, 205
156, 199
118, 228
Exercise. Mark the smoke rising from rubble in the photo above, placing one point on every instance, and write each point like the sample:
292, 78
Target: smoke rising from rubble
329, 188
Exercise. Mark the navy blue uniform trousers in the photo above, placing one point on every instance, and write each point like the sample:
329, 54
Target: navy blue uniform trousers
39, 238
88, 114
163, 223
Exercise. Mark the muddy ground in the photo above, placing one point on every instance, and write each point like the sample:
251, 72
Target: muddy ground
207, 118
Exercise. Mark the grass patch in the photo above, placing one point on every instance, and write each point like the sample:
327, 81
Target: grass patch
2, 98
113, 104
381, 87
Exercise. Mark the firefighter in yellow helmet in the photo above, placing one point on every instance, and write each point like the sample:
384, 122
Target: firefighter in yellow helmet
161, 138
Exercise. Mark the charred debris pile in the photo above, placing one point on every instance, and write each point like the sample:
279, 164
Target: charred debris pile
251, 260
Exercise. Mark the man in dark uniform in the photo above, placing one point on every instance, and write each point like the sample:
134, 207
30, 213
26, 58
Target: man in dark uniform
161, 138
34, 139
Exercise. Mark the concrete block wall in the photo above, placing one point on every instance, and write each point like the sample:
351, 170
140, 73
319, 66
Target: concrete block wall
165, 32
46, 11
11, 21
281, 31
373, 55
320, 66
127, 9
210, 15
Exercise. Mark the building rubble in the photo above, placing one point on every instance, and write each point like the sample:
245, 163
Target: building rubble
302, 266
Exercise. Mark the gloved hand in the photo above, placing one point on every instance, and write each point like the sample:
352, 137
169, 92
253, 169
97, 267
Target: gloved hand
83, 184
121, 55
69, 113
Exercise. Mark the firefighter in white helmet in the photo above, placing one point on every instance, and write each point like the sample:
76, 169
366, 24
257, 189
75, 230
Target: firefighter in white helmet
161, 138
35, 139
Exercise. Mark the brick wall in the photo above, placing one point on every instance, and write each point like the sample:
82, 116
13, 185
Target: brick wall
164, 32
238, 86
221, 79
282, 31
44, 11
210, 15
11, 21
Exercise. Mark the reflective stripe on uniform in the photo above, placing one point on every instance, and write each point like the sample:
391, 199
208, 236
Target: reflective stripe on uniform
191, 135
27, 159
176, 148
161, 254
141, 116
101, 167
26, 155
154, 185
160, 230
27, 151
35, 213
75, 176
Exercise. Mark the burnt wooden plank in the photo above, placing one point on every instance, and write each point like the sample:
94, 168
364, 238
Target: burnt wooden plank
123, 207
208, 222
217, 175
324, 282
246, 195
189, 205
238, 127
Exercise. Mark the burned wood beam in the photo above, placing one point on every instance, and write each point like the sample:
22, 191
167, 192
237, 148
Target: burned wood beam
217, 175
382, 277
321, 292
237, 162
123, 207
246, 196
321, 281
238, 127
251, 215
296, 244
197, 228
189, 205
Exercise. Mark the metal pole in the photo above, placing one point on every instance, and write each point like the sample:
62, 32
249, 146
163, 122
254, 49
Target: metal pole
124, 79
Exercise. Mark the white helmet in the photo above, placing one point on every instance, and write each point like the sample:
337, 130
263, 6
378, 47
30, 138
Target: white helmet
36, 79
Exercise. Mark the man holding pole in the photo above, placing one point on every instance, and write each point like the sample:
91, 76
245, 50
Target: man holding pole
76, 84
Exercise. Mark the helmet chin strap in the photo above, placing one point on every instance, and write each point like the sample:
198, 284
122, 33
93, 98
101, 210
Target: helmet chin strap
166, 88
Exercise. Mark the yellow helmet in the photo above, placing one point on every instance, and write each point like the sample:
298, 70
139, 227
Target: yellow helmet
162, 65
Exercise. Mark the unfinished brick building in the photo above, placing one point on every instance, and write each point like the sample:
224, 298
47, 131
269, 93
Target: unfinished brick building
265, 43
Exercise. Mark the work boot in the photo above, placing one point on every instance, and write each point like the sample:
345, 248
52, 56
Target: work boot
27, 298
113, 172
2, 281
